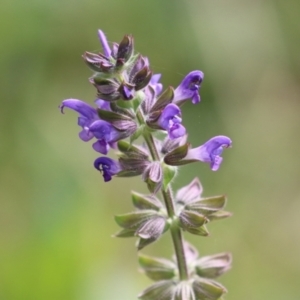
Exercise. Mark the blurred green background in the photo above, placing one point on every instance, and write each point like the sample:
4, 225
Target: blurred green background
56, 215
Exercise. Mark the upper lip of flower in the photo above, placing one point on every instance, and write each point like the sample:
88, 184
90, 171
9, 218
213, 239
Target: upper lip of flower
188, 88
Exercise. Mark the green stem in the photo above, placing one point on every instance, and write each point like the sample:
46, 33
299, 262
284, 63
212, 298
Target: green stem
169, 202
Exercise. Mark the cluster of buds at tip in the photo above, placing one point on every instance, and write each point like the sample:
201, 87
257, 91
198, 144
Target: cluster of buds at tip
132, 103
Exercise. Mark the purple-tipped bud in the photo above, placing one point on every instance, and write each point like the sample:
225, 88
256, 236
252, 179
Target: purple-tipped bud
189, 88
102, 104
125, 49
155, 84
107, 166
104, 43
210, 152
170, 120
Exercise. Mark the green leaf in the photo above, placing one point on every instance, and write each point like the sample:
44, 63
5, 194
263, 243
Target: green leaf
169, 173
137, 133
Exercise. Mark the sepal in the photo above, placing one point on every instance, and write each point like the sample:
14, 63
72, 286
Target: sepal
169, 145
153, 176
125, 49
190, 219
134, 219
132, 165
98, 62
125, 233
141, 201
132, 150
142, 78
208, 205
151, 231
214, 265
162, 290
157, 268
174, 158
208, 289
107, 88
163, 100
219, 215
184, 291
189, 192
201, 231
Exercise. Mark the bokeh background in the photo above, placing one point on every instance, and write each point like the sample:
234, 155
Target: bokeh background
56, 214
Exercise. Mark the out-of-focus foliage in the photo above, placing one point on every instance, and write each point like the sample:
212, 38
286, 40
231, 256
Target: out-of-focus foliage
56, 214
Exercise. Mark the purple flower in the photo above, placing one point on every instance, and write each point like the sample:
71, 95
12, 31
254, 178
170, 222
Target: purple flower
170, 120
210, 152
155, 84
102, 104
87, 115
107, 166
105, 134
92, 126
188, 88
104, 43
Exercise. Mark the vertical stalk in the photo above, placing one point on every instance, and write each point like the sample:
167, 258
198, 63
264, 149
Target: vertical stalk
169, 202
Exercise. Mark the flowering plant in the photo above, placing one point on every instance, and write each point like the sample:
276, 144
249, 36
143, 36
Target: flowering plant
131, 103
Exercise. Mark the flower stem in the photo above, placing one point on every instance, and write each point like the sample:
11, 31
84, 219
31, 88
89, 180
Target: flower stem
169, 202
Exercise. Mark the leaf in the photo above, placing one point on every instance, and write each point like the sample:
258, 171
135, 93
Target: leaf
169, 174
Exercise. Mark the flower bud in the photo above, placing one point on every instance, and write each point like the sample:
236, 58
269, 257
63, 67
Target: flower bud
153, 176
151, 230
125, 49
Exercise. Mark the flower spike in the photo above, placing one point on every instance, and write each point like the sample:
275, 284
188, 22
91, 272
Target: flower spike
131, 105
